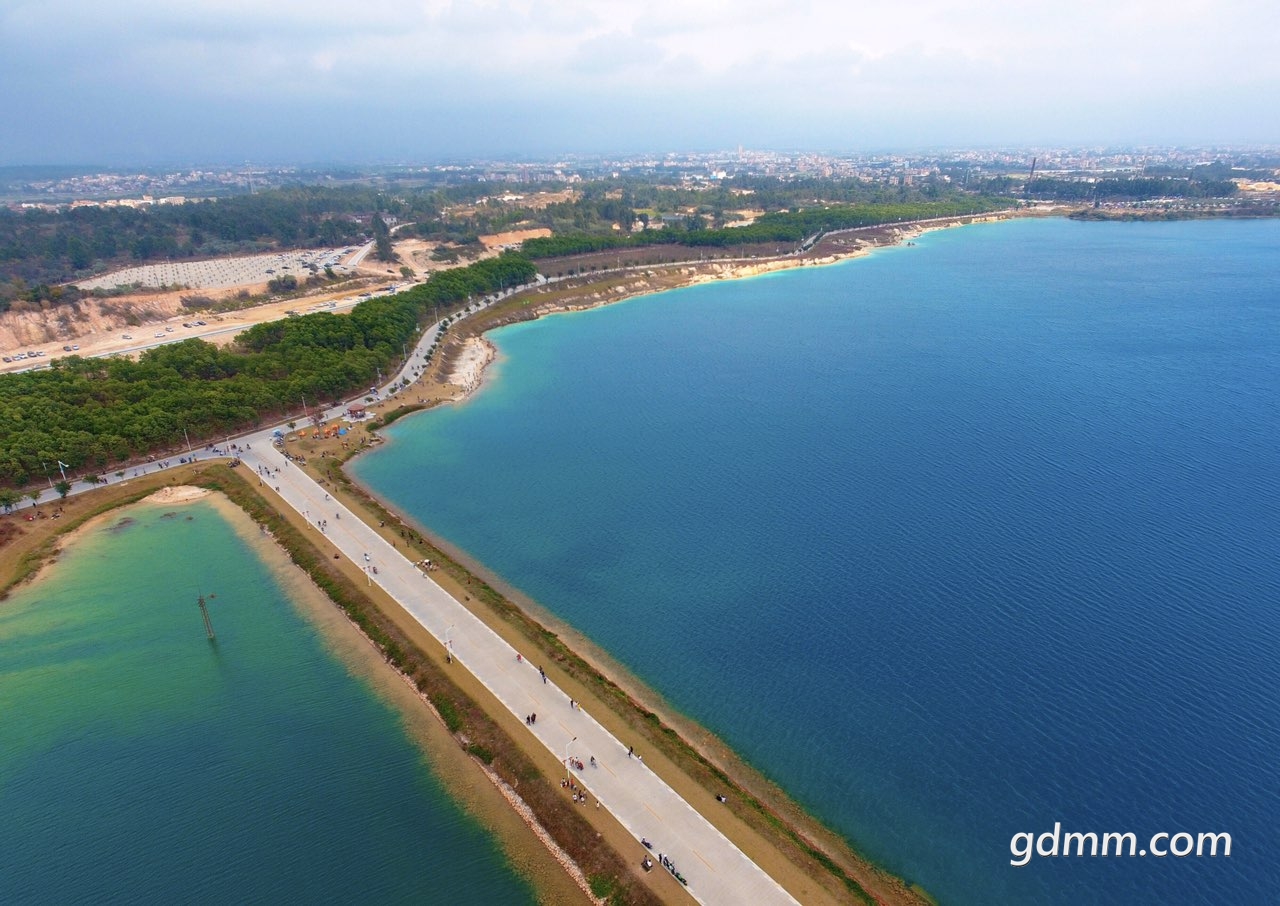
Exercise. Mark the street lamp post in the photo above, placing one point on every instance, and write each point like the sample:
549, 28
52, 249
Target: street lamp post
566, 758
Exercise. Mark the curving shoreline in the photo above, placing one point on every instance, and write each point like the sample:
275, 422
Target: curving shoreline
462, 370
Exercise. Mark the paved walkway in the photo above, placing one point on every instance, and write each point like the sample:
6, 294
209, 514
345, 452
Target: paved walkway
715, 869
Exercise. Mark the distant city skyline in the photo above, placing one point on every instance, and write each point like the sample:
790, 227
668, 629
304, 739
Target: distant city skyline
145, 82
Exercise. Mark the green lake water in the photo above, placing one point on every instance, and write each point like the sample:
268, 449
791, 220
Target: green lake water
139, 762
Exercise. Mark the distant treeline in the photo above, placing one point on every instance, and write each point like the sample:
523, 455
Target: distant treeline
791, 227
1136, 188
93, 413
40, 249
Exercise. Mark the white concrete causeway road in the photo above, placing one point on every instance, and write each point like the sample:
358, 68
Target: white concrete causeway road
717, 871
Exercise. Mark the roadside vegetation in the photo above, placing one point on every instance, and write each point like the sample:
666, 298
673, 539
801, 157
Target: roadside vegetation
92, 413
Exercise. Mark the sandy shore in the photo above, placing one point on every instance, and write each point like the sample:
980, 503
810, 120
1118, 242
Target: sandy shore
177, 495
467, 353
469, 366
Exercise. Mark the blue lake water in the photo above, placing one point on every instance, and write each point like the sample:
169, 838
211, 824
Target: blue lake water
141, 764
954, 542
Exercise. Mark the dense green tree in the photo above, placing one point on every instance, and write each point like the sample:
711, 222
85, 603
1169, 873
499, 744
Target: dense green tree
382, 240
94, 412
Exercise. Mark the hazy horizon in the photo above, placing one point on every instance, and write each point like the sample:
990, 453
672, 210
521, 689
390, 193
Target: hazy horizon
88, 84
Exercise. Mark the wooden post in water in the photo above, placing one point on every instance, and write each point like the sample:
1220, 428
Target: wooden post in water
204, 611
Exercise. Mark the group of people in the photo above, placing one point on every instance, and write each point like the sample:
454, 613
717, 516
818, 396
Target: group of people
671, 867
531, 719
579, 795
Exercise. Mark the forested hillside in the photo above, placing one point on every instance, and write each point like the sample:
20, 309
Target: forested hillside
39, 249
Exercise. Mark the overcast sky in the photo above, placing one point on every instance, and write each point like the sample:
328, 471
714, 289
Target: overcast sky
170, 81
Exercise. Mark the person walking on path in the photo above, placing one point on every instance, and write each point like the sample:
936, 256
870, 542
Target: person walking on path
544, 674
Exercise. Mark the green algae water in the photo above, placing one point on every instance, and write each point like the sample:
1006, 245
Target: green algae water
140, 762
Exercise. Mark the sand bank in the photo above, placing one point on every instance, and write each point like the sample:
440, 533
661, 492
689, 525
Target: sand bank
470, 363
177, 495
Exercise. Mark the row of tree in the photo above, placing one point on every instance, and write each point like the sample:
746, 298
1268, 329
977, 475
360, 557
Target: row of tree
93, 413
1133, 188
790, 227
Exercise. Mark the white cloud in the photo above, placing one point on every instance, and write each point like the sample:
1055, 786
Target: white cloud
754, 66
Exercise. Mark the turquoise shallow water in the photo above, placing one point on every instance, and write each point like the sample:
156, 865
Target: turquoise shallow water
141, 764
954, 542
